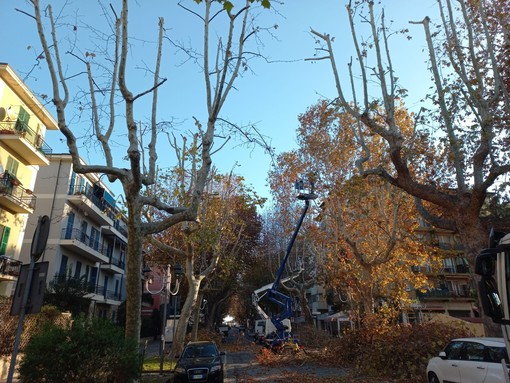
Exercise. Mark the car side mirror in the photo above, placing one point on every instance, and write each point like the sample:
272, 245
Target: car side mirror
491, 301
222, 353
442, 355
485, 263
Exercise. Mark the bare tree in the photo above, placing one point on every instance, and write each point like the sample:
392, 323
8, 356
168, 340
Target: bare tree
220, 69
456, 154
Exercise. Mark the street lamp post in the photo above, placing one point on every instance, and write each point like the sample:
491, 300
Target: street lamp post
164, 290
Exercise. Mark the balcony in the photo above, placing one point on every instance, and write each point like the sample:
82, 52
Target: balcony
14, 198
103, 295
9, 268
445, 295
452, 269
456, 269
115, 265
84, 200
115, 230
29, 146
82, 244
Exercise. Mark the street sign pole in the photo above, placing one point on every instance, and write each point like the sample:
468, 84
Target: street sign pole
38, 245
21, 320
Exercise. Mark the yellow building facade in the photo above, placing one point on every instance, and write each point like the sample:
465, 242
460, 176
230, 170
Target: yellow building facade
24, 122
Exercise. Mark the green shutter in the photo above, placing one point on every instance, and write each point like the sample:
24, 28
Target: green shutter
5, 239
12, 166
23, 118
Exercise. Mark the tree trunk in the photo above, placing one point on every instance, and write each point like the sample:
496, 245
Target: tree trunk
305, 308
212, 315
133, 272
187, 308
196, 317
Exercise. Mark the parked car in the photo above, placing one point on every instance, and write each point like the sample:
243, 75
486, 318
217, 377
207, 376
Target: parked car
200, 362
470, 360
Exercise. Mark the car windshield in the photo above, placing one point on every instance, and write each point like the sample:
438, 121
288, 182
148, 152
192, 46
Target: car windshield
200, 351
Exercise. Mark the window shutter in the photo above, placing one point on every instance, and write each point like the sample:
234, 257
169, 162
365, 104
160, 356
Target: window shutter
5, 239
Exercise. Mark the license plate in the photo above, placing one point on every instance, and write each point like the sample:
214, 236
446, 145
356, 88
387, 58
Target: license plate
198, 376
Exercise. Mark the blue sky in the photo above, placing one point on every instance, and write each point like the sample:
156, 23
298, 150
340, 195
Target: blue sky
272, 95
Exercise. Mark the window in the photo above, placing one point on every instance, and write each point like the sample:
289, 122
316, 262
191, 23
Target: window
22, 122
93, 276
71, 184
83, 231
495, 354
105, 292
77, 271
4, 238
12, 166
453, 350
63, 264
474, 351
69, 227
94, 238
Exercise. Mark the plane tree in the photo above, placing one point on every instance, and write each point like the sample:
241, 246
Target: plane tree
106, 95
365, 239
463, 120
212, 247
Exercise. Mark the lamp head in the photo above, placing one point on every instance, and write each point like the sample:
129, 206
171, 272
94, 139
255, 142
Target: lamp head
178, 272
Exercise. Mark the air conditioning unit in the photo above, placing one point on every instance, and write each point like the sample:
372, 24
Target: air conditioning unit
8, 114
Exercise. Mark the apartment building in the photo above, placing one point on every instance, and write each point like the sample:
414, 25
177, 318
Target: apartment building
24, 122
88, 234
453, 290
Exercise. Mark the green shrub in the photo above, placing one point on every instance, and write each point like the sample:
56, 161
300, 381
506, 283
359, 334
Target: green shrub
396, 351
88, 351
32, 324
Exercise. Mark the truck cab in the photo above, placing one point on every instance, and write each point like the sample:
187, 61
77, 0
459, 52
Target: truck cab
493, 265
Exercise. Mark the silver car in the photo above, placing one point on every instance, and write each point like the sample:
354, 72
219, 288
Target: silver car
470, 360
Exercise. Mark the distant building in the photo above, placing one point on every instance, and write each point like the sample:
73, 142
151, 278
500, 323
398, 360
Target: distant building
453, 290
24, 122
88, 234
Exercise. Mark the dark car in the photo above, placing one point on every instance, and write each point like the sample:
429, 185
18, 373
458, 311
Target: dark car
200, 362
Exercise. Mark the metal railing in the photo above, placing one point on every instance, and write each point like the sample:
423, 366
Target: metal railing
444, 293
108, 294
10, 266
22, 196
454, 269
88, 192
94, 244
87, 286
23, 130
84, 238
100, 203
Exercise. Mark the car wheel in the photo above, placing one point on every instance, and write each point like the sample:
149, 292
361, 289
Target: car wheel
433, 378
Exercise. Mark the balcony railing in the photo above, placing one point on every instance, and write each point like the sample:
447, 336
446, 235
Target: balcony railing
9, 266
23, 130
444, 293
117, 262
9, 186
454, 269
88, 192
84, 238
121, 229
86, 286
108, 294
